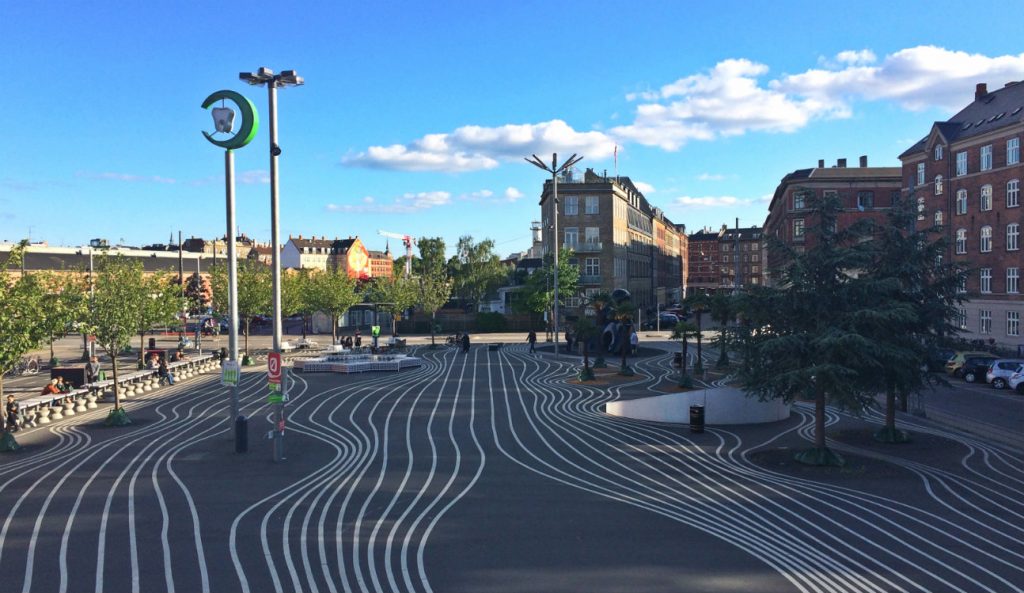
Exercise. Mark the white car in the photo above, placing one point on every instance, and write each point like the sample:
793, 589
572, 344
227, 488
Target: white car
1016, 380
1001, 370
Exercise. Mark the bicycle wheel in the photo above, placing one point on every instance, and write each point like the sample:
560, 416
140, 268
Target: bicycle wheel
32, 367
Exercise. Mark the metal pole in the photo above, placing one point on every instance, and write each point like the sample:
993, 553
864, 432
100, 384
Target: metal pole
181, 284
554, 187
276, 258
229, 176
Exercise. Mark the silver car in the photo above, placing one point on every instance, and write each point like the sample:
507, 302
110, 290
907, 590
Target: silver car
1002, 369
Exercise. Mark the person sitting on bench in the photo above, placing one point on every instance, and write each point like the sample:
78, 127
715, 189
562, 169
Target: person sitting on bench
165, 373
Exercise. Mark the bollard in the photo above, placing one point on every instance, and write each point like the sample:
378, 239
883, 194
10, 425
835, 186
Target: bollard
696, 418
241, 434
152, 343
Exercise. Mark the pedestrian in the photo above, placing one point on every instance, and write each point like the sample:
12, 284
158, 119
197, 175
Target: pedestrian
359, 339
13, 414
532, 339
51, 388
92, 370
465, 342
63, 386
165, 373
568, 341
633, 341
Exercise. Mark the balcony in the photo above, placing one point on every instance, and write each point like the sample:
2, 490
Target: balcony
585, 247
590, 279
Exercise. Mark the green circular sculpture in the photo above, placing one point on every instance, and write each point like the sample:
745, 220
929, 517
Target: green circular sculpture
250, 120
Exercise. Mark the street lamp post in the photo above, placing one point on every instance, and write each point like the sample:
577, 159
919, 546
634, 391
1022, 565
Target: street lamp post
555, 169
273, 81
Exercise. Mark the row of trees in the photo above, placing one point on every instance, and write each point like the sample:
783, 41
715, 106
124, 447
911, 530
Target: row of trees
855, 314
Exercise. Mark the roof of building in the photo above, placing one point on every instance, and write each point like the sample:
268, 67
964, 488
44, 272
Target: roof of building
335, 245
705, 235
835, 173
990, 111
745, 234
71, 259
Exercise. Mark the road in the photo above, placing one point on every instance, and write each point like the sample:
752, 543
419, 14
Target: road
488, 472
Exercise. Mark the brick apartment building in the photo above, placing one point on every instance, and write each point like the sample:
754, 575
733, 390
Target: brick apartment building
965, 176
863, 192
620, 240
715, 256
349, 254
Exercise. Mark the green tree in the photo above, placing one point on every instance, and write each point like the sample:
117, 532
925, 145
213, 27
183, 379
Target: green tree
433, 291
538, 293
813, 338
121, 293
908, 269
64, 303
682, 332
698, 303
722, 307
255, 293
198, 294
296, 296
333, 292
432, 256
476, 269
394, 295
21, 310
161, 306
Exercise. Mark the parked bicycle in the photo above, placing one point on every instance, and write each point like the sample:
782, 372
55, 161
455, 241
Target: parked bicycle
25, 366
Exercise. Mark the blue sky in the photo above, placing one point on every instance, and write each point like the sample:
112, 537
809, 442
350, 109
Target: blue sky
415, 116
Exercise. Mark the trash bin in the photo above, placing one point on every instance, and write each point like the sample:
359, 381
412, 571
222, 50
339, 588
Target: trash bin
696, 418
241, 434
152, 343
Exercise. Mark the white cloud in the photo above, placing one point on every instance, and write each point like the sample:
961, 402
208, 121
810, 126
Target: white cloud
512, 194
127, 177
864, 56
253, 177
472, 148
476, 196
710, 201
404, 204
916, 78
710, 177
645, 188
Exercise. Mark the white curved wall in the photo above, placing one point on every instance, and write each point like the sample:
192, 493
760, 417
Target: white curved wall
724, 405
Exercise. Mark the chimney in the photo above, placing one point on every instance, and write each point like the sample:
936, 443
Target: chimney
864, 160
300, 236
821, 163
841, 163
980, 90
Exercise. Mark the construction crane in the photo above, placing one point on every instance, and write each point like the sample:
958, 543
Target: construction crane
408, 241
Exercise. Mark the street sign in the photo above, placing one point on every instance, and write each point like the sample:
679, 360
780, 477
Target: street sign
275, 397
274, 367
230, 373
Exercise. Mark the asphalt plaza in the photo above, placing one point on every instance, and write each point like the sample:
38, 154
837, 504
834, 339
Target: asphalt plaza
496, 471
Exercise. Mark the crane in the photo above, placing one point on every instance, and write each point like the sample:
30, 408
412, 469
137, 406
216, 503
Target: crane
408, 241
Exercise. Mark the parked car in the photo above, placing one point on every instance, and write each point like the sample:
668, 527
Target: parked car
668, 321
999, 373
1016, 380
957, 360
937, 359
975, 367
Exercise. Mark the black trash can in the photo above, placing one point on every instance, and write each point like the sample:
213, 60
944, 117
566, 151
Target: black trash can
241, 434
696, 418
152, 343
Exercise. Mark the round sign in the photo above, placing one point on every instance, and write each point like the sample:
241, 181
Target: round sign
250, 120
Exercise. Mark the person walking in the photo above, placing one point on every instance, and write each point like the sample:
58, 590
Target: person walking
633, 341
532, 339
13, 409
465, 342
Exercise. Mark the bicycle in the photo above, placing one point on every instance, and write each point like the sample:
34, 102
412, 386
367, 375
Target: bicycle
25, 366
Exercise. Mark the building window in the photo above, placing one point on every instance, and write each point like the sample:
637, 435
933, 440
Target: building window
920, 174
938, 218
986, 281
986, 197
865, 200
591, 205
798, 229
961, 201
1012, 280
592, 235
1013, 193
961, 286
961, 240
1013, 236
961, 163
986, 239
572, 236
938, 152
1013, 151
1012, 323
985, 325
592, 266
725, 259
938, 185
799, 200
572, 205
961, 318
986, 157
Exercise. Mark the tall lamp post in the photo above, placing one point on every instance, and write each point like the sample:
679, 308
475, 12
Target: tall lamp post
555, 169
273, 81
223, 119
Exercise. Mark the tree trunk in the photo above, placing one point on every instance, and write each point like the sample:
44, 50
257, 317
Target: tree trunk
113, 370
819, 420
903, 402
247, 320
303, 327
51, 347
586, 355
699, 336
682, 365
625, 342
334, 329
433, 324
